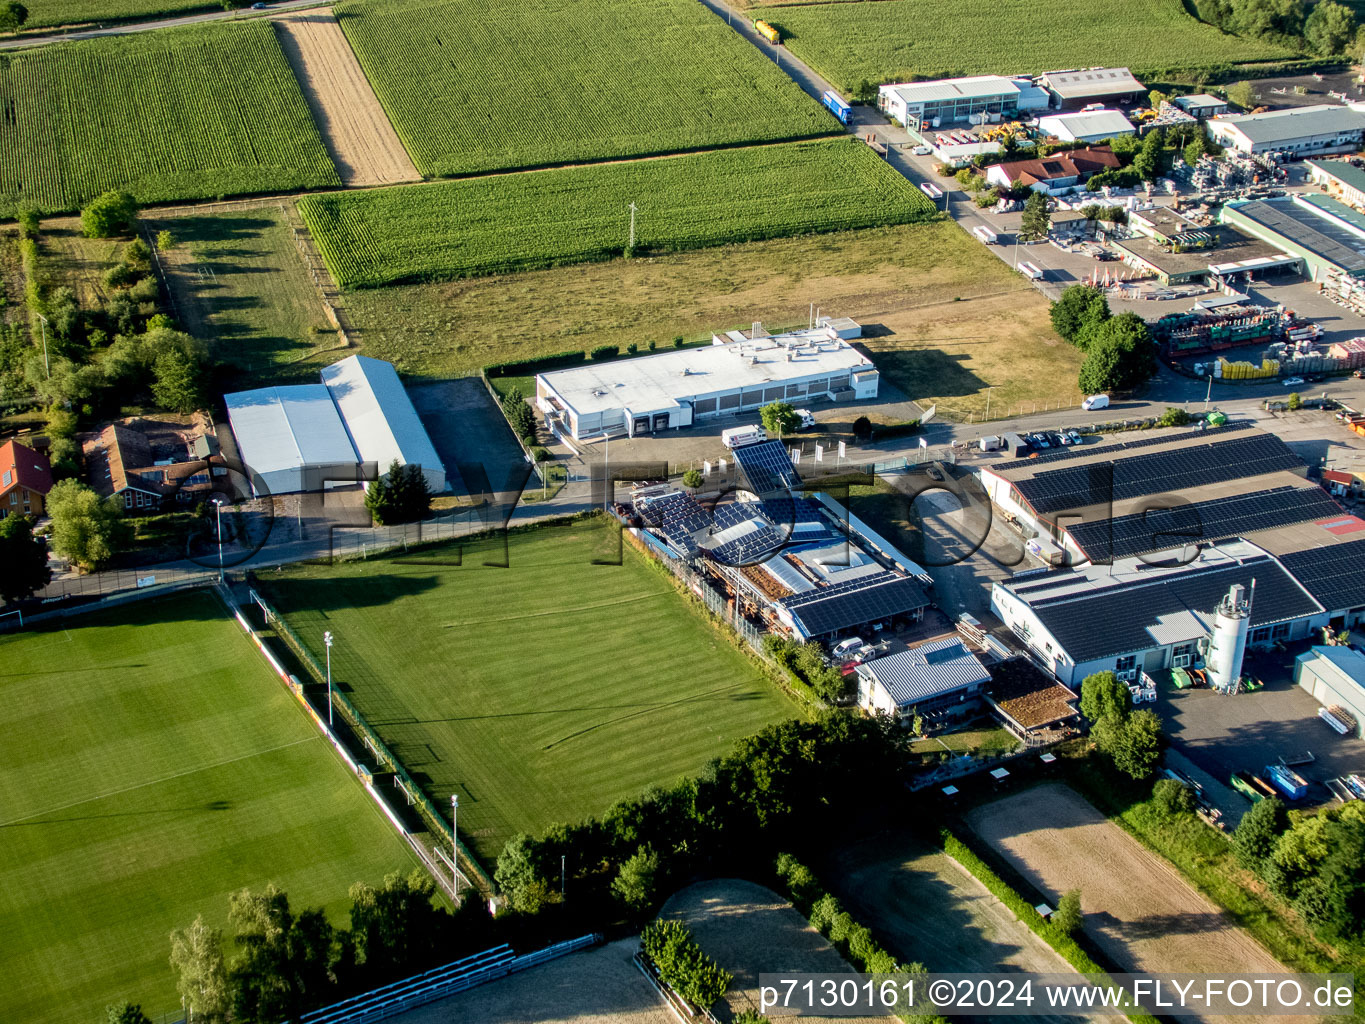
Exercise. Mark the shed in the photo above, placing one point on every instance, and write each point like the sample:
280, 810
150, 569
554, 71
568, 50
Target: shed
1335, 677
1201, 105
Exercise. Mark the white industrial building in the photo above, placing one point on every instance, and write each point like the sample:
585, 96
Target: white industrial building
1087, 125
1295, 132
1201, 105
738, 372
924, 680
1083, 85
951, 100
1335, 676
304, 437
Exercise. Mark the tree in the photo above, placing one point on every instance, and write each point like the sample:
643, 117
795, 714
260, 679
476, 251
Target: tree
866, 92
1241, 94
201, 978
86, 529
1035, 220
1294, 401
519, 414
692, 479
1147, 163
402, 495
1119, 355
1067, 917
109, 214
23, 559
176, 384
1334, 897
634, 884
284, 960
1262, 18
1330, 28
12, 16
1260, 829
1155, 98
1174, 417
1104, 694
125, 1013
520, 874
779, 418
1078, 306
1173, 797
396, 928
862, 427
1132, 743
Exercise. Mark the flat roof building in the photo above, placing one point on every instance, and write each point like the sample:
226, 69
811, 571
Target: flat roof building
1327, 235
736, 373
1341, 179
1201, 105
302, 437
1087, 126
950, 99
1177, 251
1081, 85
1296, 131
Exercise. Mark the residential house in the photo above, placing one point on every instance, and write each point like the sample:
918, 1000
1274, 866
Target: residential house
25, 479
120, 462
1057, 174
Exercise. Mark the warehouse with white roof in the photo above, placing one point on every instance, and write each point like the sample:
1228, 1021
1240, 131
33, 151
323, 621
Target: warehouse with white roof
303, 437
1087, 125
738, 372
1297, 131
956, 99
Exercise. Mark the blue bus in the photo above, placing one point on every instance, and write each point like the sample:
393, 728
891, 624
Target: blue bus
837, 107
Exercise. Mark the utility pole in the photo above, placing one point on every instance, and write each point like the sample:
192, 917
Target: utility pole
454, 844
1208, 395
218, 509
327, 640
561, 878
631, 247
46, 368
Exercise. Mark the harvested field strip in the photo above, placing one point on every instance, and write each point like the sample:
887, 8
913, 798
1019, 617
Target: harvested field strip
573, 215
473, 86
359, 137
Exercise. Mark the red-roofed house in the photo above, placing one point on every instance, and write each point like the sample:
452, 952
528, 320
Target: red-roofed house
1055, 174
25, 479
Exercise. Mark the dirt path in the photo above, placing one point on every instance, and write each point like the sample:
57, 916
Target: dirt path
362, 142
1139, 910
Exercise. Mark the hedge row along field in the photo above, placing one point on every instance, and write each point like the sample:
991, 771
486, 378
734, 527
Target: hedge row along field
186, 114
571, 215
472, 86
891, 40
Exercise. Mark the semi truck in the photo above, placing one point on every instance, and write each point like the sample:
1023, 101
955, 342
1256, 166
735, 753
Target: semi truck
768, 32
837, 107
985, 234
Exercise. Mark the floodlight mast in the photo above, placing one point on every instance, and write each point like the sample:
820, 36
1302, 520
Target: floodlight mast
327, 639
454, 846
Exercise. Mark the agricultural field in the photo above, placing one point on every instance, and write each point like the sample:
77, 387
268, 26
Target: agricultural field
239, 282
154, 764
472, 86
897, 40
572, 215
189, 113
51, 13
539, 693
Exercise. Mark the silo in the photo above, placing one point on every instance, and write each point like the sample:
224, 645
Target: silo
1229, 641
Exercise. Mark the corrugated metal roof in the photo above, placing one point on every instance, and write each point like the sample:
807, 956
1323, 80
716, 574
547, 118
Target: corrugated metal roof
1295, 123
1321, 229
1350, 663
975, 87
1092, 124
1091, 82
380, 418
282, 428
931, 670
1347, 173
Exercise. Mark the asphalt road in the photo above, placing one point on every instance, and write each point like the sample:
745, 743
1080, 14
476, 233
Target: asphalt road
148, 26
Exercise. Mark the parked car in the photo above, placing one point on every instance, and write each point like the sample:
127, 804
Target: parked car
1313, 378
258, 6
848, 647
1358, 374
1291, 382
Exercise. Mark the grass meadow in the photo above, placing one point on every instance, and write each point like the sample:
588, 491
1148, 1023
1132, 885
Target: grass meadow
472, 86
900, 40
189, 113
538, 693
152, 764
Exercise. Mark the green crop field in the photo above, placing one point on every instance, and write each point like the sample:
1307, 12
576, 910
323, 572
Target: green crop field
472, 86
576, 214
892, 40
539, 693
49, 13
152, 764
191, 113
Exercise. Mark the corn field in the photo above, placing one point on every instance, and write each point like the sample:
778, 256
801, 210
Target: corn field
474, 86
185, 114
571, 215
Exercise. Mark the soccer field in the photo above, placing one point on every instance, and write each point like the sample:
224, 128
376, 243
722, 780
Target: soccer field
150, 766
539, 693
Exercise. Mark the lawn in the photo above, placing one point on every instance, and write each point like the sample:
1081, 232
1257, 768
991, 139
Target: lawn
152, 766
472, 86
238, 281
572, 215
539, 693
189, 113
901, 40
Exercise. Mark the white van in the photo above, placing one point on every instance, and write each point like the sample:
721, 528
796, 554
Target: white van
985, 234
1096, 402
737, 437
805, 418
846, 648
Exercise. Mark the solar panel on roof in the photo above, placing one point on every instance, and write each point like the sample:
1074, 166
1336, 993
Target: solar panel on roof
1145, 442
767, 467
1334, 574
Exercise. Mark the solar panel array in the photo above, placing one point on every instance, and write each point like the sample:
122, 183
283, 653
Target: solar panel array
1233, 516
750, 549
1334, 574
768, 467
830, 609
1069, 487
677, 516
1145, 442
